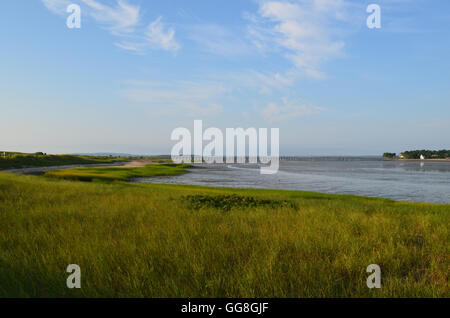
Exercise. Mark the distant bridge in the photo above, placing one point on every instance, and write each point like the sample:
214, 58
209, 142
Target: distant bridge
328, 158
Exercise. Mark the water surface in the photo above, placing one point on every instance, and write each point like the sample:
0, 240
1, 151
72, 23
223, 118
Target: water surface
399, 180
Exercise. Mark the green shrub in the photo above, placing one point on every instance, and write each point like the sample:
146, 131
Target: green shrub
228, 202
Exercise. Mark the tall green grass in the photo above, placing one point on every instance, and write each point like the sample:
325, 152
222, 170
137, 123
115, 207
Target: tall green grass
118, 174
149, 241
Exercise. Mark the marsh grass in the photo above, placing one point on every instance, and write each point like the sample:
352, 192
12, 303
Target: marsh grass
118, 174
23, 160
135, 240
227, 202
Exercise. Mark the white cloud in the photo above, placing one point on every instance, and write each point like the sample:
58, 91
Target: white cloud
122, 19
274, 112
127, 46
157, 36
56, 6
219, 40
263, 82
304, 31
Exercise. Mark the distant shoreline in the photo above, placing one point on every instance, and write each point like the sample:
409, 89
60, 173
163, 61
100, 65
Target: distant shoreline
41, 170
419, 160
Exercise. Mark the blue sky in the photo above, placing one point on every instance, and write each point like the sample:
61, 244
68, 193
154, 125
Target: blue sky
136, 70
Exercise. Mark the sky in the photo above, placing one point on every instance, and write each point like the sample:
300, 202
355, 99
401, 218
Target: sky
136, 70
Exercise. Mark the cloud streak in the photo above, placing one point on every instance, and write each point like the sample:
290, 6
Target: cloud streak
190, 98
274, 112
56, 6
119, 19
218, 40
304, 31
157, 36
123, 20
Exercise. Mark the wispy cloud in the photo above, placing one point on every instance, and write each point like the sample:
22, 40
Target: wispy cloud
161, 38
219, 40
275, 112
188, 98
155, 36
303, 31
57, 6
121, 18
124, 20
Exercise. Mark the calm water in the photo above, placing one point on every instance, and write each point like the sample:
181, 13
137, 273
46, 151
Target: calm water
398, 180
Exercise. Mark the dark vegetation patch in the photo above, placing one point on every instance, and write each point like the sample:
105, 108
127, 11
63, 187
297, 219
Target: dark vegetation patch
21, 160
227, 202
178, 165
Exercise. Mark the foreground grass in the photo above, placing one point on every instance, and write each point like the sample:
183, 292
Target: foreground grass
164, 241
118, 174
23, 160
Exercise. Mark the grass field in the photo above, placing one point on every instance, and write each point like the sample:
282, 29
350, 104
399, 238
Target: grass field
118, 174
16, 160
136, 240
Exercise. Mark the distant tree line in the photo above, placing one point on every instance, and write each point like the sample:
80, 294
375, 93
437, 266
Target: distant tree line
389, 155
428, 154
